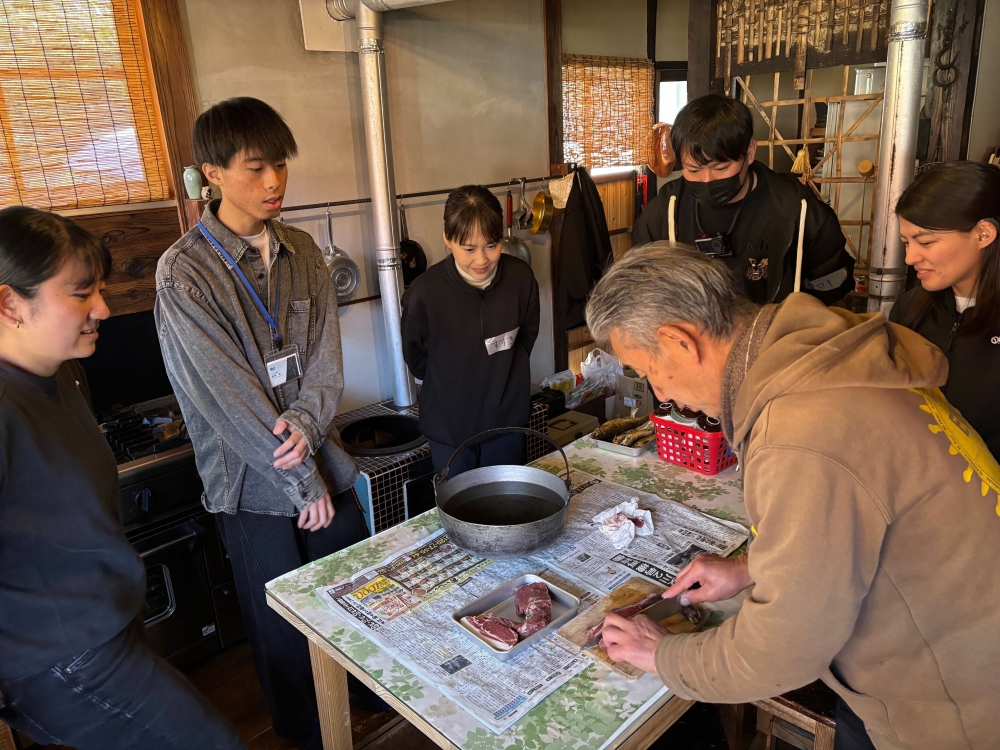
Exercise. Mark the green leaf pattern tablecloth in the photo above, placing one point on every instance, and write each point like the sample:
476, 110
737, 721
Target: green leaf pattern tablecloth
589, 710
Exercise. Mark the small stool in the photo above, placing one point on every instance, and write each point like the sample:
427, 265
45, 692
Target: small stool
803, 718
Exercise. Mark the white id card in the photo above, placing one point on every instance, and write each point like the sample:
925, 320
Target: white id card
283, 366
503, 342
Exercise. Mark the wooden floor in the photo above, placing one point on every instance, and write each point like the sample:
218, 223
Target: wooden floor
229, 682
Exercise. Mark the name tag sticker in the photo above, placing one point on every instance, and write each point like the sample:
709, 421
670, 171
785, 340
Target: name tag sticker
283, 366
503, 342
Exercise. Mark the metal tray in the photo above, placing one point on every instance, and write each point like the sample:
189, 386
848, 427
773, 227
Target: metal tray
500, 602
625, 450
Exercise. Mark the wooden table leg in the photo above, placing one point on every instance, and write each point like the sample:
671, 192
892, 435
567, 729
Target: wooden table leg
332, 699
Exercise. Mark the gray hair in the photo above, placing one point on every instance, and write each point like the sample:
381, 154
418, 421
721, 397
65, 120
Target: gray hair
665, 283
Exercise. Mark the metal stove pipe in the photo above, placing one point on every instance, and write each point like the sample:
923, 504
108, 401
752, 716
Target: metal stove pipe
345, 10
375, 111
897, 148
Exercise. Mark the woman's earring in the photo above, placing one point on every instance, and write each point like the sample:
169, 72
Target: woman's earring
18, 324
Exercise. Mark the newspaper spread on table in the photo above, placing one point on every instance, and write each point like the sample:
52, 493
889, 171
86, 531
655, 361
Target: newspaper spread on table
406, 602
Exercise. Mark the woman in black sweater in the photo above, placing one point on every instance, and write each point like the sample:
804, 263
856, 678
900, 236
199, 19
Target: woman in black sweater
948, 219
469, 324
73, 669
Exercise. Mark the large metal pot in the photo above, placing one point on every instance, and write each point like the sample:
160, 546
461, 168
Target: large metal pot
503, 511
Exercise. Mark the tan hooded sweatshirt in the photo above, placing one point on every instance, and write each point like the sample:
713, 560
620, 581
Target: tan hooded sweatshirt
875, 508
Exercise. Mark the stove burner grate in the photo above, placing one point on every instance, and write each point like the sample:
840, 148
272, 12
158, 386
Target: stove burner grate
135, 432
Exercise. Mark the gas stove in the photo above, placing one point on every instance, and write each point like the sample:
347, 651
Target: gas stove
143, 430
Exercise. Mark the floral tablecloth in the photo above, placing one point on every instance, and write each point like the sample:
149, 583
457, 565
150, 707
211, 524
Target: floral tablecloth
720, 496
591, 709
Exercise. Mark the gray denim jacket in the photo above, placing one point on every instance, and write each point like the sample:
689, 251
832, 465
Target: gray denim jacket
214, 340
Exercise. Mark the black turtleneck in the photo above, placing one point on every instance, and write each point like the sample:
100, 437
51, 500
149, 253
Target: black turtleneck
69, 579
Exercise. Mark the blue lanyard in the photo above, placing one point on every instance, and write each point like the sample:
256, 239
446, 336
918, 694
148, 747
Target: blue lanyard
271, 322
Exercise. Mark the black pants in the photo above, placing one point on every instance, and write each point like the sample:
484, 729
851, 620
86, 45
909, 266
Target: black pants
851, 734
509, 449
115, 696
263, 547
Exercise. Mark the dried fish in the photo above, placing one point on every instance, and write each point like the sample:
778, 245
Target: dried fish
628, 439
614, 427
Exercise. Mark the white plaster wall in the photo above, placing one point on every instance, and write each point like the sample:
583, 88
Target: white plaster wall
599, 27
466, 104
618, 29
672, 30
984, 128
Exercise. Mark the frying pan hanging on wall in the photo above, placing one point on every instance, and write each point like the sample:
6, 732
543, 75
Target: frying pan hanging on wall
411, 254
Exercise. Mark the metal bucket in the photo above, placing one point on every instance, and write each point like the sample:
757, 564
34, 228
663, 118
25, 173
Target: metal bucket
503, 511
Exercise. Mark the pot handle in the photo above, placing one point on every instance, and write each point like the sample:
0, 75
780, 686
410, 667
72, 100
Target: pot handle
440, 478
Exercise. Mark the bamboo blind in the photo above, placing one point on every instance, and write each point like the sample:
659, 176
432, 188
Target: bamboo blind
78, 124
607, 110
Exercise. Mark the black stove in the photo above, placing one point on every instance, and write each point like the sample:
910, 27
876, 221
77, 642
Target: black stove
144, 430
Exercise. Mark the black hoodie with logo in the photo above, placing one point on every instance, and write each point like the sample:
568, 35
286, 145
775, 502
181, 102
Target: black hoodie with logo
973, 361
471, 348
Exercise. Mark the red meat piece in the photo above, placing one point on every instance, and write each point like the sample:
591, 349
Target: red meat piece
533, 601
497, 635
627, 611
512, 624
529, 627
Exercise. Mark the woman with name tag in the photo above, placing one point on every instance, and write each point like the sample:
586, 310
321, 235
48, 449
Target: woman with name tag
948, 219
469, 324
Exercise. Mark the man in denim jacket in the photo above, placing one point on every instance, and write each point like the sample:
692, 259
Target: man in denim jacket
248, 325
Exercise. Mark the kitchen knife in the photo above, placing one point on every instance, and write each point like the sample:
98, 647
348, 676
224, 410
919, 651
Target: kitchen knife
657, 611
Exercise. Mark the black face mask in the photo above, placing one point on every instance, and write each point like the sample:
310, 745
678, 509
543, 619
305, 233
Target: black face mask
716, 193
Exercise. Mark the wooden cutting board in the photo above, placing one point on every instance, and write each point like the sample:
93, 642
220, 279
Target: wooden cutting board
574, 632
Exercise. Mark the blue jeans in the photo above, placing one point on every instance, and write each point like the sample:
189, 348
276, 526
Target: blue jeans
115, 696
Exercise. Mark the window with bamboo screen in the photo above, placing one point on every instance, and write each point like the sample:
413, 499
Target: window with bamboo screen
607, 110
78, 122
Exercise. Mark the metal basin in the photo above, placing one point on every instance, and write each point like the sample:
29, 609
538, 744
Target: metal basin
503, 511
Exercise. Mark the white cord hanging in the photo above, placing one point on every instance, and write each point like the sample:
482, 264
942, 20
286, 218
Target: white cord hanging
798, 250
671, 229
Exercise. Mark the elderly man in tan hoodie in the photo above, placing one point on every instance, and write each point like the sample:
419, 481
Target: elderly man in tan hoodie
874, 506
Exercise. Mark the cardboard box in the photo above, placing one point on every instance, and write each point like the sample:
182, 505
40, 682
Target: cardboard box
570, 426
633, 392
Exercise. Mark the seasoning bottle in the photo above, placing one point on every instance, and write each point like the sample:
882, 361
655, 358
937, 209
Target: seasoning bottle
663, 410
709, 424
684, 416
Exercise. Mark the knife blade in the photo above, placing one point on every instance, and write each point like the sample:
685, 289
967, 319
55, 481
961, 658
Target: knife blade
656, 611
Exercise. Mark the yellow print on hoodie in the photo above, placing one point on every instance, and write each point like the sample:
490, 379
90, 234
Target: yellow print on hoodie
965, 441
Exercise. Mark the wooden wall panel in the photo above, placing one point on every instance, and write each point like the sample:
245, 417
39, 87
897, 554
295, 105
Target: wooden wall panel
552, 13
174, 94
136, 240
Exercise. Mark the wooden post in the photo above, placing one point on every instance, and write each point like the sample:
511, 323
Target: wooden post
552, 14
332, 699
952, 36
174, 94
701, 49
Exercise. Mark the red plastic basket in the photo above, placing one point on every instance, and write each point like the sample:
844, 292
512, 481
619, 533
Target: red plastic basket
697, 450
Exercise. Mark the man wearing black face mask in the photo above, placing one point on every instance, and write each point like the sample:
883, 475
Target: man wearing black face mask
738, 210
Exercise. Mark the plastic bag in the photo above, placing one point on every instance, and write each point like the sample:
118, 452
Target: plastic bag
602, 368
563, 381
